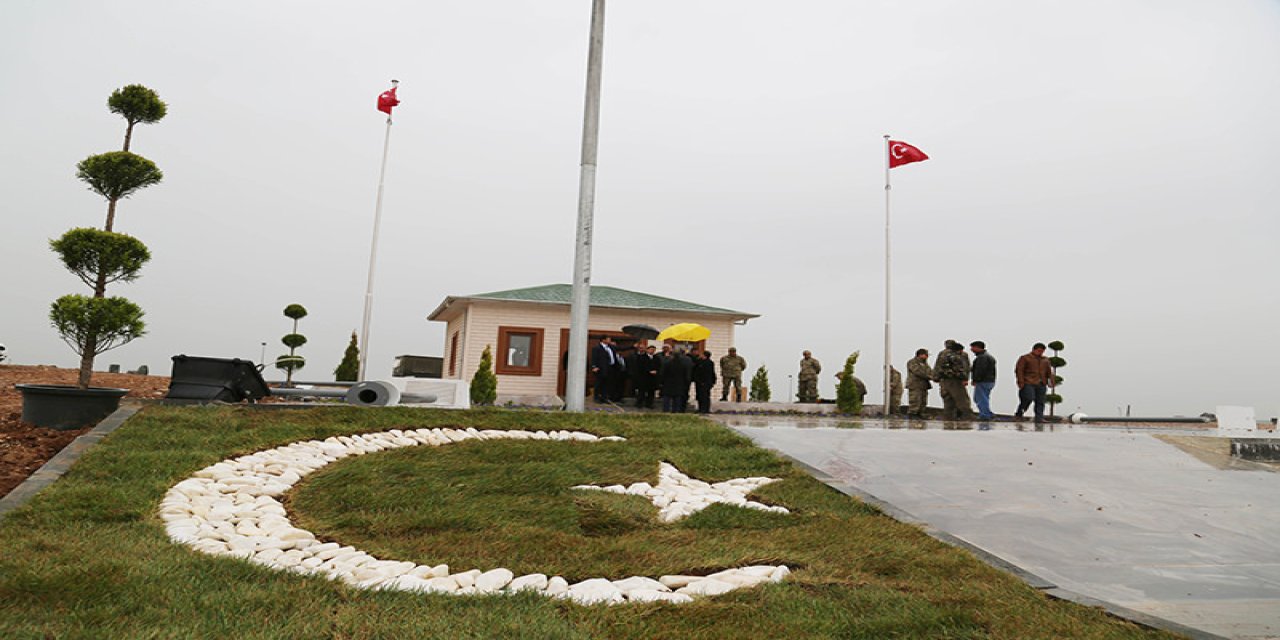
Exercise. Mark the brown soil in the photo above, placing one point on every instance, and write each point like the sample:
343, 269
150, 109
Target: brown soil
24, 447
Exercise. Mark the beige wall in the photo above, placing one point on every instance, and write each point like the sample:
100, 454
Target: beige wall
481, 319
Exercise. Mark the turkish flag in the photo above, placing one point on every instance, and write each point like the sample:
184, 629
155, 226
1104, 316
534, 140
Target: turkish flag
901, 153
387, 100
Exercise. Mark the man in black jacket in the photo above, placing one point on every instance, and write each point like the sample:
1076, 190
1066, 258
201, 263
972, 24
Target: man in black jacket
704, 377
676, 373
644, 376
983, 374
603, 359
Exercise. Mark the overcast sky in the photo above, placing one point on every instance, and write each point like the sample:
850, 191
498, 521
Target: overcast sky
1103, 173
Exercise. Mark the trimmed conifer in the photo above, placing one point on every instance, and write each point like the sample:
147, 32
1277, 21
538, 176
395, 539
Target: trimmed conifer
292, 362
349, 369
760, 385
848, 400
1055, 361
484, 384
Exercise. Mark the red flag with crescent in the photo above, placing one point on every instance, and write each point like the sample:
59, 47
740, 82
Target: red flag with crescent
901, 153
387, 99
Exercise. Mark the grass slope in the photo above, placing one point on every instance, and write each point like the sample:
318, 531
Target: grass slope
88, 558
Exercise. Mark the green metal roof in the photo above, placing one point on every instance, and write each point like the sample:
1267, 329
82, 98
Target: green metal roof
602, 297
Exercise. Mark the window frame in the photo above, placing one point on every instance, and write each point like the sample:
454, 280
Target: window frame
500, 365
453, 354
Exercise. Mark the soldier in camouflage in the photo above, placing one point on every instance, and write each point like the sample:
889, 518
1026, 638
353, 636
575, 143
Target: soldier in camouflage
952, 372
731, 368
918, 383
895, 391
808, 378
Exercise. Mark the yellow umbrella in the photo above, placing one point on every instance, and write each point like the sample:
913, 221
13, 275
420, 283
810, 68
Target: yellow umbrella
685, 332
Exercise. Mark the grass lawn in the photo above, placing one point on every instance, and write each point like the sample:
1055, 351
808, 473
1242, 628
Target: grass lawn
88, 558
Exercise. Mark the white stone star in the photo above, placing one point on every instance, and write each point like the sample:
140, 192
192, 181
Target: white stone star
678, 496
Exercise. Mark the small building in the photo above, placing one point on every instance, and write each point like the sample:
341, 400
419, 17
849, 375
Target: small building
528, 331
408, 366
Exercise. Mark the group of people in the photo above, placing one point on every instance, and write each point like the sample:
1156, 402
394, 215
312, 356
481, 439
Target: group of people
672, 370
953, 371
668, 372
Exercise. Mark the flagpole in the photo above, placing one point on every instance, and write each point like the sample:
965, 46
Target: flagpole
580, 309
373, 249
887, 325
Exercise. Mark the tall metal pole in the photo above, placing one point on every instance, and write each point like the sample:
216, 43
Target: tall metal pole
373, 251
887, 325
580, 309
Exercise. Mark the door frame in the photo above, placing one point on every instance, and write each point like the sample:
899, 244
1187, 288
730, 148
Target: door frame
625, 341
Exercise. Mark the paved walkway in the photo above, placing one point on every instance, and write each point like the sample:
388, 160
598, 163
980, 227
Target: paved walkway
1117, 514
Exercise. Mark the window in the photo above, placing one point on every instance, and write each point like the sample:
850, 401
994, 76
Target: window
519, 351
453, 355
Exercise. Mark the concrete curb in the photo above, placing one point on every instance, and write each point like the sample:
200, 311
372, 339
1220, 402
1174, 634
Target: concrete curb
60, 463
1036, 582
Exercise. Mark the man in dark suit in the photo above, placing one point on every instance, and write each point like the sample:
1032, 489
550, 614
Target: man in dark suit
675, 376
603, 359
638, 372
621, 371
704, 377
649, 373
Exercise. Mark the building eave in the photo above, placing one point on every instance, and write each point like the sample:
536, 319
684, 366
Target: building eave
452, 301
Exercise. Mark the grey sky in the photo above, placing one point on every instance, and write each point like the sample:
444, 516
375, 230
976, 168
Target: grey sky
1103, 173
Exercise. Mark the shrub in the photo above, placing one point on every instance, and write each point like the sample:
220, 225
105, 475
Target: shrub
848, 400
484, 384
349, 369
760, 385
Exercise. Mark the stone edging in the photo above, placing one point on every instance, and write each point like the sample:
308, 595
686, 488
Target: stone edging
1036, 582
231, 509
60, 463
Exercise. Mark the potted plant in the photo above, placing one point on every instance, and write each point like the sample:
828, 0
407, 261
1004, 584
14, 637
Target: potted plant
93, 324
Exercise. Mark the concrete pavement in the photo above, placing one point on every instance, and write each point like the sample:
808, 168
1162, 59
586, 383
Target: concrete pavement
1119, 514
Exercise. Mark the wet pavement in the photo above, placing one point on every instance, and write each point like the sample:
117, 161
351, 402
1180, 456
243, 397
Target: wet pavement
1133, 516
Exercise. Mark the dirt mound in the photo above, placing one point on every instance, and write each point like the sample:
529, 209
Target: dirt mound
24, 447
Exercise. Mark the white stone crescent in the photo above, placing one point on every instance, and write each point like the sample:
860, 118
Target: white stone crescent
231, 509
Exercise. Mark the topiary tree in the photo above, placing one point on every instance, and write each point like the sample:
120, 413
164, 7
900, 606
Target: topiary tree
349, 369
484, 384
1055, 361
100, 258
760, 385
848, 400
137, 104
93, 325
292, 362
116, 175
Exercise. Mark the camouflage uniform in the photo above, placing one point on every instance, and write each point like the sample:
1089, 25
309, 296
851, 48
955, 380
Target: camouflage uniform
809, 370
918, 376
952, 371
895, 391
731, 368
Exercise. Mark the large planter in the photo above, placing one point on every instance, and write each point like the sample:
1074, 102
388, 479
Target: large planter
65, 407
